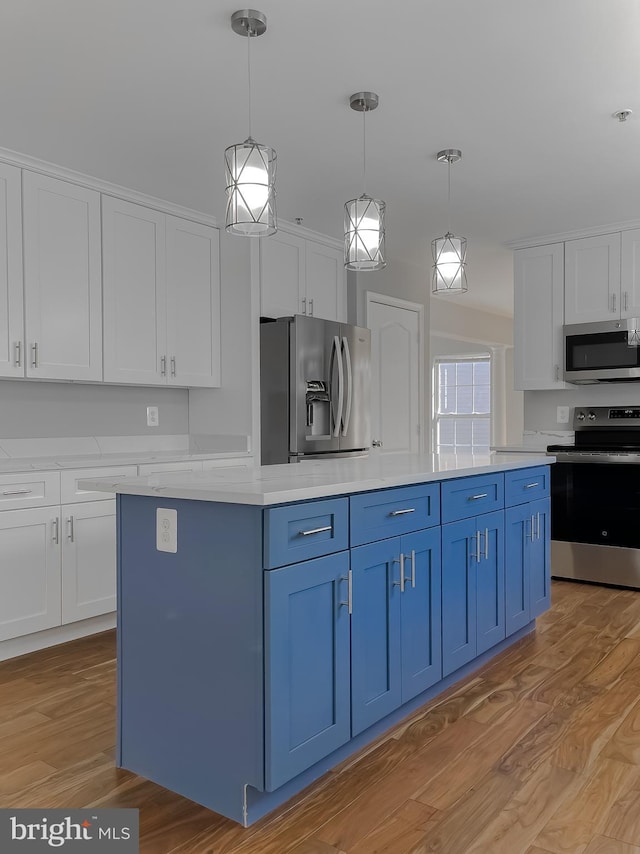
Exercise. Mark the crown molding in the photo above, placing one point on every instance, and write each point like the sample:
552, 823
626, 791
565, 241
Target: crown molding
24, 161
308, 234
560, 237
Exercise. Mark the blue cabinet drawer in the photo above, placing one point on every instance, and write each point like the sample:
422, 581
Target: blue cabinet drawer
388, 512
468, 496
301, 531
524, 485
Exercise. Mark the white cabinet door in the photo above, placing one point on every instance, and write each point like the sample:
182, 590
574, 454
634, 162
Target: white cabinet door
11, 309
134, 293
193, 303
29, 571
325, 280
282, 275
630, 274
88, 536
62, 279
538, 317
592, 279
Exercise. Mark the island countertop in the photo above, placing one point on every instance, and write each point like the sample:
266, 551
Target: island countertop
280, 484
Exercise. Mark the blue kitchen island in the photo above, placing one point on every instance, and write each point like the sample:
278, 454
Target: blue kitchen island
272, 621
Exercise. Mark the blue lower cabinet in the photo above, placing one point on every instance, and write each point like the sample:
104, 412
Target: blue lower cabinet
540, 568
473, 608
396, 649
528, 561
307, 679
420, 613
376, 688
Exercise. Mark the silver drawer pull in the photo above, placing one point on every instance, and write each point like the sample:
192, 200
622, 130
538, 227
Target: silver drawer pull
479, 495
18, 492
314, 531
531, 485
402, 512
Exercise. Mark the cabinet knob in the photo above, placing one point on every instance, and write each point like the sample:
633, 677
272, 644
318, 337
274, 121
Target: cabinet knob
376, 443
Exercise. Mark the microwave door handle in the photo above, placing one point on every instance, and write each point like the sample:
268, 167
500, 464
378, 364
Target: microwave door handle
335, 355
347, 361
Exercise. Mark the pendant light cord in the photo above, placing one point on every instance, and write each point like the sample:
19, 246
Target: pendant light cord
449, 197
364, 152
249, 35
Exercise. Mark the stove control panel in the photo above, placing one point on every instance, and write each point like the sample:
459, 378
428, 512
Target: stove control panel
605, 416
624, 413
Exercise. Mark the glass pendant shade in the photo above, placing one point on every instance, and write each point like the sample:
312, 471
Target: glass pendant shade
364, 234
449, 262
251, 196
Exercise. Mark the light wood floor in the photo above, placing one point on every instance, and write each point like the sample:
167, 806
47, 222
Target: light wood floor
539, 752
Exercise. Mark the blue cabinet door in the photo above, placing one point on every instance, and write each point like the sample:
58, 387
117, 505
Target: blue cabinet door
458, 594
518, 528
421, 610
490, 627
375, 633
306, 665
540, 566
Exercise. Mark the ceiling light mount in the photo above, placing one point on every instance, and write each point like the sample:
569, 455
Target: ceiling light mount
449, 155
363, 102
622, 115
248, 22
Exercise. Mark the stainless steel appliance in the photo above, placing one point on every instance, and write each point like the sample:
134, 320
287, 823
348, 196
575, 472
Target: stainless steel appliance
314, 389
595, 498
602, 352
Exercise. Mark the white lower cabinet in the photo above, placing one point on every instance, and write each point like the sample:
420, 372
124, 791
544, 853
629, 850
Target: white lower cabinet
30, 571
88, 559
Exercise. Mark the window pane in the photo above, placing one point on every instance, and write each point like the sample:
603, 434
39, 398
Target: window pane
482, 399
463, 405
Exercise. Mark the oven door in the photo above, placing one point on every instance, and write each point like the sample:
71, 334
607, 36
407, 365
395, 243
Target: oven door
602, 352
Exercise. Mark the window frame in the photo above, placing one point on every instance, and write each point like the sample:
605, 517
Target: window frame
438, 417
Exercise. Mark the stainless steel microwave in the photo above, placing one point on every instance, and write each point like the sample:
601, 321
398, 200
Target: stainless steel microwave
606, 351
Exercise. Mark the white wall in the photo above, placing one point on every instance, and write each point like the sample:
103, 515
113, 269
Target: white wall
32, 410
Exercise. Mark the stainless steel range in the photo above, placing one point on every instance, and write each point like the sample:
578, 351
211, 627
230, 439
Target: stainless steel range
595, 498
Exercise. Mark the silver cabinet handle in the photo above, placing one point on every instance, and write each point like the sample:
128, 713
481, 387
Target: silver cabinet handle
349, 579
531, 485
18, 346
613, 302
376, 443
413, 568
476, 497
314, 531
311, 307
304, 305
537, 526
528, 534
402, 512
173, 366
34, 355
400, 583
163, 366
18, 492
486, 544
626, 301
55, 533
557, 373
70, 531
477, 546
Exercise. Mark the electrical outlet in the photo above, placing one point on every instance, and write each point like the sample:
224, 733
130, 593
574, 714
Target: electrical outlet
562, 414
166, 530
153, 419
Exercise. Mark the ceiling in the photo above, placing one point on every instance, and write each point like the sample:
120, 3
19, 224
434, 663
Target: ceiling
148, 93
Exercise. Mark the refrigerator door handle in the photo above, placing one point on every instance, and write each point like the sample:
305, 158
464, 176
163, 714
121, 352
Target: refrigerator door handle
347, 360
335, 354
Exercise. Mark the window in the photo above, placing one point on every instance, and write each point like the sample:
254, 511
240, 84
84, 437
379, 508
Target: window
462, 404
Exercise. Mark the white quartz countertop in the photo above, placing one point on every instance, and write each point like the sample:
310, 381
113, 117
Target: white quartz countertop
118, 459
267, 485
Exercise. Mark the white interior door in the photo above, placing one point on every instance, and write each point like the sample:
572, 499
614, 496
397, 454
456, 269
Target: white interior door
397, 398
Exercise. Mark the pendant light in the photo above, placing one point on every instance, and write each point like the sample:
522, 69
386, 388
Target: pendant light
250, 167
449, 252
364, 235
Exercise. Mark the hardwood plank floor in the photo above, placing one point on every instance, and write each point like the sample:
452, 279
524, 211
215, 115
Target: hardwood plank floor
539, 752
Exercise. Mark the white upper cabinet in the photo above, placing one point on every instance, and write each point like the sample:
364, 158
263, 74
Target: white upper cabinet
62, 279
193, 303
630, 274
11, 307
133, 246
301, 276
538, 317
592, 289
161, 298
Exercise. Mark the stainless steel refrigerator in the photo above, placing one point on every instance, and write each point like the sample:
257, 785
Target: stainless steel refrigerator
314, 389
